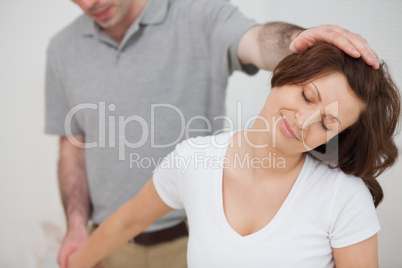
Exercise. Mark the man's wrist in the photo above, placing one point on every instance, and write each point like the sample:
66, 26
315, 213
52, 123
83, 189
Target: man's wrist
76, 222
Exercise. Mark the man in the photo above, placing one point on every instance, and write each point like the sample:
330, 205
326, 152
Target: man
126, 80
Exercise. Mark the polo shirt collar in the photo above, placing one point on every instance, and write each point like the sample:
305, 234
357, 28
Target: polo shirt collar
89, 27
154, 12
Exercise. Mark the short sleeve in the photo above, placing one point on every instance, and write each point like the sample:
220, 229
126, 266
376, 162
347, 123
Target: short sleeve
57, 107
225, 25
353, 216
166, 179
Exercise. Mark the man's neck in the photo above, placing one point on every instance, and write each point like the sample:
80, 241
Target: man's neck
118, 31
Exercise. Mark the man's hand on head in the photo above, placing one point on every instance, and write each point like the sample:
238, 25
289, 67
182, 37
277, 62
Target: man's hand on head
351, 43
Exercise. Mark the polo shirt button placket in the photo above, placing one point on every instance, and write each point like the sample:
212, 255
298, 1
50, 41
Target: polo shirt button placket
119, 53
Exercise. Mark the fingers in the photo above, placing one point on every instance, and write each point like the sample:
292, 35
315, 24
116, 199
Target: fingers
63, 257
340, 40
351, 43
60, 261
362, 46
98, 265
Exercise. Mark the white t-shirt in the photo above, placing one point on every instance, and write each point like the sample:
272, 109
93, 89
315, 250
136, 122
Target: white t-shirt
325, 209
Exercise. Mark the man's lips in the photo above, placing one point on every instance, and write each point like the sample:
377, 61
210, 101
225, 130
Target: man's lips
102, 14
287, 129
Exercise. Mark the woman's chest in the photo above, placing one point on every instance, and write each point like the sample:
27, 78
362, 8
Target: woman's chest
249, 206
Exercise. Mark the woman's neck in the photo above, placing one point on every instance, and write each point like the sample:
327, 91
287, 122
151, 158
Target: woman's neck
263, 158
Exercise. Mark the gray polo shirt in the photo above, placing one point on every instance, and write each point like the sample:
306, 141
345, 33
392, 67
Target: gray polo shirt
135, 101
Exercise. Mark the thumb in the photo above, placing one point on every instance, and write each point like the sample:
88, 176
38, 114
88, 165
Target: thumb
292, 46
64, 259
64, 262
299, 44
98, 265
61, 260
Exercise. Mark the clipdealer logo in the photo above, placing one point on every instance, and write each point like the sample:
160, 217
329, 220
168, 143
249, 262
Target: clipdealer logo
147, 129
117, 127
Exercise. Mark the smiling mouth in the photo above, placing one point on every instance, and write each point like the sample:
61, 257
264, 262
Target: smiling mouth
103, 13
287, 129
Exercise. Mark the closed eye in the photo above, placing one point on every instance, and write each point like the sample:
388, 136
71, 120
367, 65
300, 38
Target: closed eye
323, 125
309, 102
305, 98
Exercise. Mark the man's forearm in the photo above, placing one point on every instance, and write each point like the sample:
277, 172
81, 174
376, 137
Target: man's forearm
73, 184
274, 40
75, 198
266, 45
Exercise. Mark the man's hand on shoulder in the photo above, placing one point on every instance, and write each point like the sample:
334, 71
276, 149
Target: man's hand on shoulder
351, 43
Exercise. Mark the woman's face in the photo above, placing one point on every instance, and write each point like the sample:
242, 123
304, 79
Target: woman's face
306, 116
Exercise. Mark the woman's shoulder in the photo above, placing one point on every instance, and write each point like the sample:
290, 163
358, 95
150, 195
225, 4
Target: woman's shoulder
211, 144
342, 193
327, 174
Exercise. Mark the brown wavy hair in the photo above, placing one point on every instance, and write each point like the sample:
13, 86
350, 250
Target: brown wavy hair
365, 149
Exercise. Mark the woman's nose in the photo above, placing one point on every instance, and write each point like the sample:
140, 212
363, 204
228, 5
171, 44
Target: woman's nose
304, 119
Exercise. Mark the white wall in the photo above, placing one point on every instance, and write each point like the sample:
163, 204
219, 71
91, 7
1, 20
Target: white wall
380, 23
32, 220
31, 213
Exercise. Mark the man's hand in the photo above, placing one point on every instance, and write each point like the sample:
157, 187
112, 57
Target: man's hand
351, 43
74, 262
73, 240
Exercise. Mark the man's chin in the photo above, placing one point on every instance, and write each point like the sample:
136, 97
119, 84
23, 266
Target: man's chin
105, 24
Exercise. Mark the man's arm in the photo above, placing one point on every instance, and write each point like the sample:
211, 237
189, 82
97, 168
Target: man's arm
265, 45
128, 221
74, 193
363, 254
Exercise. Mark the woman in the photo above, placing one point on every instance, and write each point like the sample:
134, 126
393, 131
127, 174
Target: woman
262, 197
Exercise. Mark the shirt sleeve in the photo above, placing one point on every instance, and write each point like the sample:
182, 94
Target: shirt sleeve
166, 179
225, 25
353, 217
56, 105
